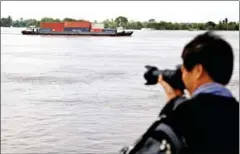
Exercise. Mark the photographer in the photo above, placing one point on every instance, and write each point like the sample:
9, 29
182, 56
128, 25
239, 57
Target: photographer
208, 121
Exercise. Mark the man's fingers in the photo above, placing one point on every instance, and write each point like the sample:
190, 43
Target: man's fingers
160, 79
170, 92
164, 84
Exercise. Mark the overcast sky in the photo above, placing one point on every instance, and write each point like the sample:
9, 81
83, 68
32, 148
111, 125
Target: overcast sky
179, 11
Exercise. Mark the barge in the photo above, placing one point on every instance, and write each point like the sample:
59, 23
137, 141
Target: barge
82, 28
37, 32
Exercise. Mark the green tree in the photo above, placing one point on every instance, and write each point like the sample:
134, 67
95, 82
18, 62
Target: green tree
233, 26
69, 19
151, 20
30, 22
221, 25
121, 21
9, 20
110, 23
134, 25
47, 19
210, 25
6, 22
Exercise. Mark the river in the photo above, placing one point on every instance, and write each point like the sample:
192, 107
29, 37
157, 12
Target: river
67, 94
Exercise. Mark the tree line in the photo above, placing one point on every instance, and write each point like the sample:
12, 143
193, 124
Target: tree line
124, 22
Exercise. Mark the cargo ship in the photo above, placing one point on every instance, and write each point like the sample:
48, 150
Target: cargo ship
75, 28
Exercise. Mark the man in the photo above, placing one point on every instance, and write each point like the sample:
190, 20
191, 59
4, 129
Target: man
207, 122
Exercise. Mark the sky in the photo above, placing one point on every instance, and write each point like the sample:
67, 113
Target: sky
172, 11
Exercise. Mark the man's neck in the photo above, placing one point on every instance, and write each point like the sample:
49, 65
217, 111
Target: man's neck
201, 84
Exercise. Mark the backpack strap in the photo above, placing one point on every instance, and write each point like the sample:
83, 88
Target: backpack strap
176, 142
159, 139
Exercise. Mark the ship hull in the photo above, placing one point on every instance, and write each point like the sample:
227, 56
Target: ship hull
124, 33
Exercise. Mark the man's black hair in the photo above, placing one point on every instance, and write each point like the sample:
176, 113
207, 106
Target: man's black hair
213, 53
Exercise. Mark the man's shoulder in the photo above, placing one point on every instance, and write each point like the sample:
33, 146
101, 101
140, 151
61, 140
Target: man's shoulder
207, 102
210, 99
181, 104
201, 98
174, 104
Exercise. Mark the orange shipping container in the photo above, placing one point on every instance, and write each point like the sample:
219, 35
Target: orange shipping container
77, 24
55, 26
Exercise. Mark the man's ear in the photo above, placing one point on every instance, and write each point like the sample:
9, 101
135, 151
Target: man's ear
198, 71
182, 68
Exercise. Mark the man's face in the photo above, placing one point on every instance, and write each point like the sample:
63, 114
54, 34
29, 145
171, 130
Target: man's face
188, 78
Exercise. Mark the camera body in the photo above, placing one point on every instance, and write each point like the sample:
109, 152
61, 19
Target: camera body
172, 77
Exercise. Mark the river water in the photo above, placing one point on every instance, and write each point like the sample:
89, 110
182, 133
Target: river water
85, 94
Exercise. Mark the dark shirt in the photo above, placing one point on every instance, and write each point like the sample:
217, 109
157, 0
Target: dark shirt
209, 123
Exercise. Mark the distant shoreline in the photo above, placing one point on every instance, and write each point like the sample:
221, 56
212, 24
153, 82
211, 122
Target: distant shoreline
156, 29
222, 25
160, 30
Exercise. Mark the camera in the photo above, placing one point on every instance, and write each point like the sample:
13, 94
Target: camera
172, 77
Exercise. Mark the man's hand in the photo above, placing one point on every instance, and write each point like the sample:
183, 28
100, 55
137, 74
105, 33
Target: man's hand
170, 92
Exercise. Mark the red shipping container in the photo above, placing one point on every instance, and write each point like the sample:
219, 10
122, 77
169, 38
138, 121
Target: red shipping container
77, 24
96, 30
55, 26
57, 29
